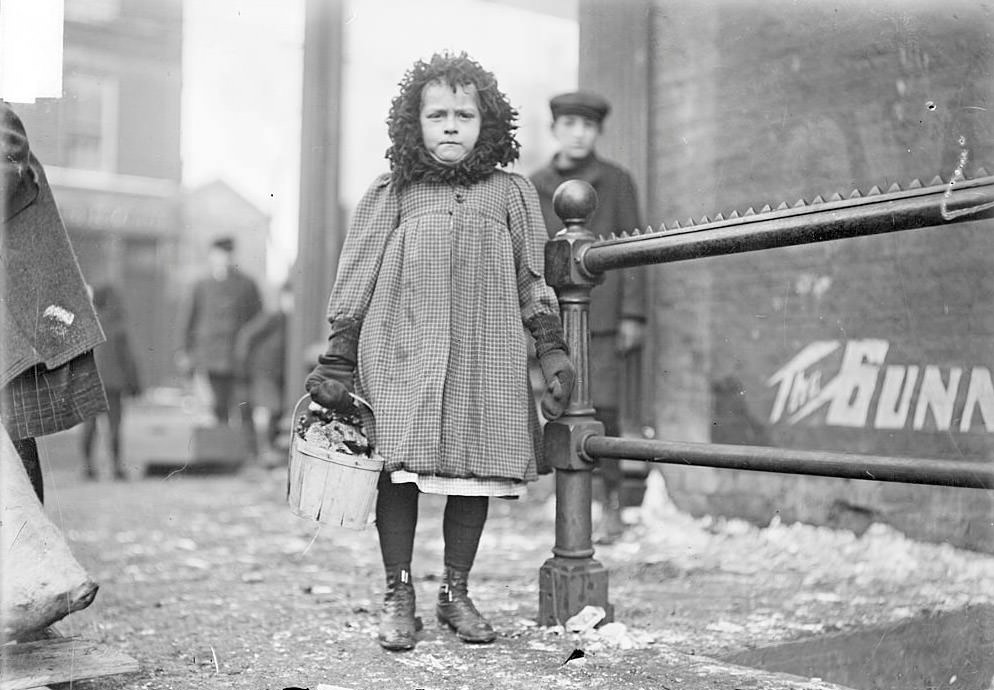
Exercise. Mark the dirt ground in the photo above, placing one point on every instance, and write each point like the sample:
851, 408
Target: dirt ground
211, 582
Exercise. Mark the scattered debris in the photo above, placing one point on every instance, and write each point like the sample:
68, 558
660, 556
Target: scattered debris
586, 619
618, 636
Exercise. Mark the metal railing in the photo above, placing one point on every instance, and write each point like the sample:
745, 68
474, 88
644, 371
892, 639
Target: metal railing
575, 262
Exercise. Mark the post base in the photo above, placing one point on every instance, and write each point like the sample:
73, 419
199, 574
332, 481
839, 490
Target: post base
566, 585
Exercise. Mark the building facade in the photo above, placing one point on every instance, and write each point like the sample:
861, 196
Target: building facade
882, 345
111, 147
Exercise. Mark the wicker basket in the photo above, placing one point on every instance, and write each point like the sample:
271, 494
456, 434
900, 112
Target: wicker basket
330, 487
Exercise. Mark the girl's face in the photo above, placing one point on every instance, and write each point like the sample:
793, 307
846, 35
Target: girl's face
450, 121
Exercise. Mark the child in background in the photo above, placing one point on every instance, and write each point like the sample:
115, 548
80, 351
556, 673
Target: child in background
119, 373
442, 264
260, 358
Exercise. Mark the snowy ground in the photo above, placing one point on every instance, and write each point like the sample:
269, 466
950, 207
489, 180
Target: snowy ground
211, 582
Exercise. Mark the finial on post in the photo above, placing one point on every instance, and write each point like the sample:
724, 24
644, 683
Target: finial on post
574, 202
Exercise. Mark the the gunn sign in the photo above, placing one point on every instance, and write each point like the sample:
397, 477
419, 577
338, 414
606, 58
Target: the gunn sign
868, 392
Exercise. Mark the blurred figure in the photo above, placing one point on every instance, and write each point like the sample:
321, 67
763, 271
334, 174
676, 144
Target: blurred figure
260, 353
119, 372
222, 303
48, 327
618, 305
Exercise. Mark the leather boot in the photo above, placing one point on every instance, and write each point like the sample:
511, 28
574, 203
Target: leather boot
456, 609
398, 624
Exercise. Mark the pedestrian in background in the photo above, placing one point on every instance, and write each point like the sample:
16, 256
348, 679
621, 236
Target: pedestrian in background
618, 305
260, 353
119, 373
48, 327
222, 303
442, 264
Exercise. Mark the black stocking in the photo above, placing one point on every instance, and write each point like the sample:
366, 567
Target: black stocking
396, 521
462, 526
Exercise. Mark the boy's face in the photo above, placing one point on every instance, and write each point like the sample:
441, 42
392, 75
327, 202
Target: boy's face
450, 121
576, 135
218, 259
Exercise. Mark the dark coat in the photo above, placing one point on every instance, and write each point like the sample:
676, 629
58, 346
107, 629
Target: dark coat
48, 327
218, 310
45, 313
623, 292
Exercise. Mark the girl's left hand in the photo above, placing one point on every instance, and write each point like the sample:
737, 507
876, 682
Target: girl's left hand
559, 379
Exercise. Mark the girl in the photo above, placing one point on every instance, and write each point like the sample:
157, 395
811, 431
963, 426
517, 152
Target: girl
442, 264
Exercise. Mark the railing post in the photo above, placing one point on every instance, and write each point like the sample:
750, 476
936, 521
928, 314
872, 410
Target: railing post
572, 579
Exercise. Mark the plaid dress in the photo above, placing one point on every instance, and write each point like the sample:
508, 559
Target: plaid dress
441, 279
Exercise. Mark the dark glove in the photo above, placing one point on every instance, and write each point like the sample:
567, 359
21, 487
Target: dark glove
330, 386
559, 379
333, 380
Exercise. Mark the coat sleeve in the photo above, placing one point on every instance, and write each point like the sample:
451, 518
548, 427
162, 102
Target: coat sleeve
375, 218
528, 236
633, 280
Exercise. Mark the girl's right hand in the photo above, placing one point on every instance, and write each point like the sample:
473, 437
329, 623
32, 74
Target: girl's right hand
330, 386
332, 395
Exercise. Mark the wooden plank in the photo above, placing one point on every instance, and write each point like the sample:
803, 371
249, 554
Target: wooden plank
35, 664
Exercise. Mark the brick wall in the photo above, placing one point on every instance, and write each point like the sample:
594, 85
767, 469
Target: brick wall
756, 103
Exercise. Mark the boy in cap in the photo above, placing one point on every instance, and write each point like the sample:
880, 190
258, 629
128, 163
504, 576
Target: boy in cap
617, 307
223, 302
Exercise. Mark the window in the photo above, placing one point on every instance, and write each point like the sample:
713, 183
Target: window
89, 123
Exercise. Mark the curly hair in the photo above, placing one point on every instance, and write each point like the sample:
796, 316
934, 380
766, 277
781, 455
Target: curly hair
496, 145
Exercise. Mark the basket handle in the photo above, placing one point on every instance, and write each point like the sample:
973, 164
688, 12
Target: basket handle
297, 408
361, 400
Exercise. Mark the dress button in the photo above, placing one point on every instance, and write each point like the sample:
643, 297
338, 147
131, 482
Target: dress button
459, 197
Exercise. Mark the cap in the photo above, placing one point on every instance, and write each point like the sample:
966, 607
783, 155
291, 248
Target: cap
225, 243
584, 103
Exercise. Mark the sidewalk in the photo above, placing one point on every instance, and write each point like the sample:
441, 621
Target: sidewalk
211, 582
